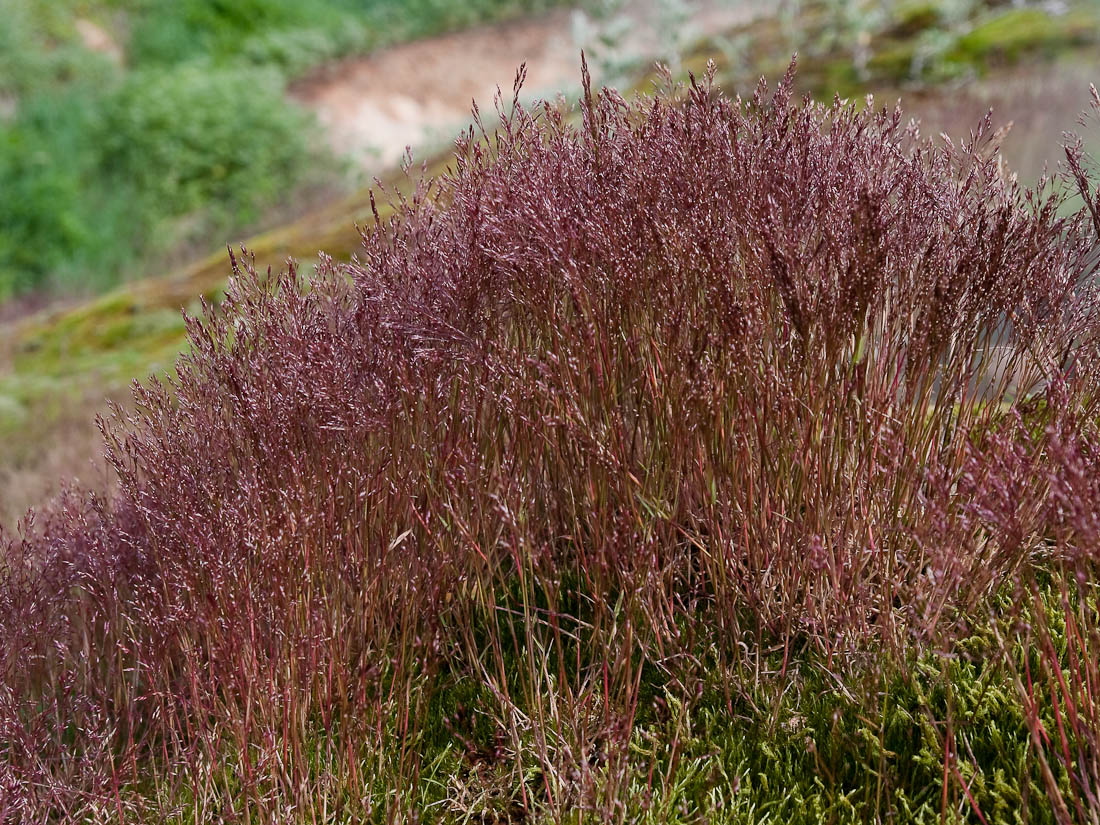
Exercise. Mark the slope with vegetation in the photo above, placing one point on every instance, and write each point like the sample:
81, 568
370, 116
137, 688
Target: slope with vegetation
701, 461
120, 152
850, 47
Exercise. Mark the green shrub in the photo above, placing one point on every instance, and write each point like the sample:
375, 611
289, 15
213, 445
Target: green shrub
195, 134
174, 32
263, 29
43, 161
92, 178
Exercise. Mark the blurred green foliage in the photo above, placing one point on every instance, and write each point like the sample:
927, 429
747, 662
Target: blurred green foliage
106, 164
199, 136
297, 33
91, 175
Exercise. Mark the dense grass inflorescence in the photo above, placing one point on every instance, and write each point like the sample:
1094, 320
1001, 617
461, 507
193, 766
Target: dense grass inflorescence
703, 460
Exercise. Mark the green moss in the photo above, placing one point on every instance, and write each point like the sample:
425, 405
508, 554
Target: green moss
1010, 35
918, 46
912, 18
798, 746
121, 325
818, 756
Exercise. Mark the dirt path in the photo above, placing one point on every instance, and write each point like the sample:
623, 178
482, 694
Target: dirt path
420, 93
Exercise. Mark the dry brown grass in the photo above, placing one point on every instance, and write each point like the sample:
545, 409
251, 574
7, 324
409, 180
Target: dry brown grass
35, 467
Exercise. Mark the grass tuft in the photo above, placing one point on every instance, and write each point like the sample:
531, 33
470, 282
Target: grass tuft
703, 460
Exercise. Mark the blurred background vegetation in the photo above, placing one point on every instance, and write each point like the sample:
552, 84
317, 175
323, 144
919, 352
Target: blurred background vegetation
133, 128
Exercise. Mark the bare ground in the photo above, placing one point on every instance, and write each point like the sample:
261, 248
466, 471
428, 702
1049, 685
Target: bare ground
373, 107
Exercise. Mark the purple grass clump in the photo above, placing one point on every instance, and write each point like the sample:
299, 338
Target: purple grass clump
693, 374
